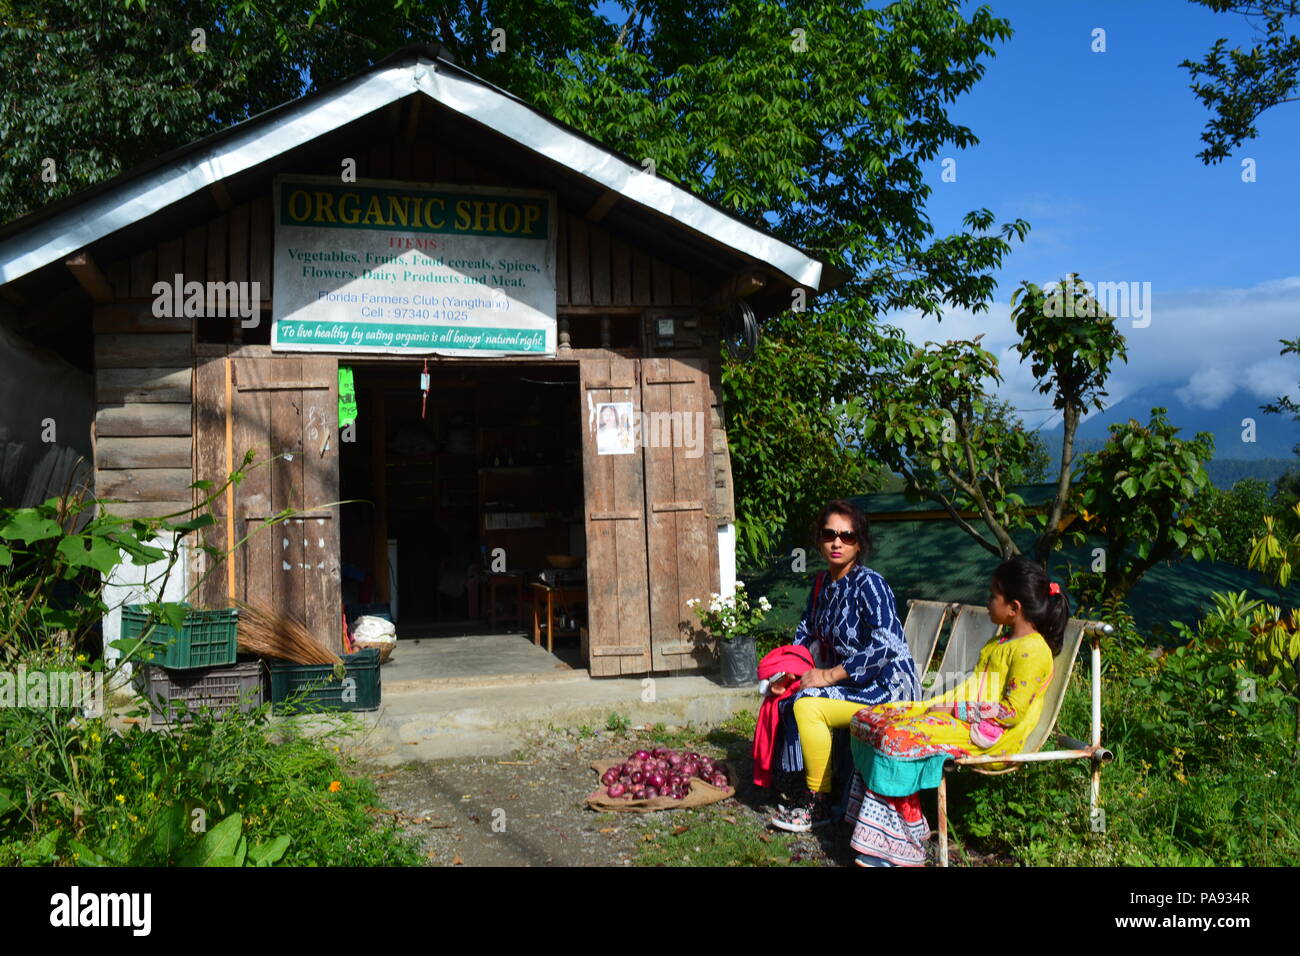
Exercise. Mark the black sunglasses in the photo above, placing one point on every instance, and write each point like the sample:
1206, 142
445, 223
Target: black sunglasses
848, 537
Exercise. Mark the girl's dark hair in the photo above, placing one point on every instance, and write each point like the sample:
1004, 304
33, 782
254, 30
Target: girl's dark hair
1025, 581
851, 511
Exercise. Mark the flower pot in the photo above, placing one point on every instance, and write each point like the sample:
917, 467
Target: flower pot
739, 661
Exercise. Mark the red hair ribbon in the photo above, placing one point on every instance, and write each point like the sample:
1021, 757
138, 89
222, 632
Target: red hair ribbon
1053, 588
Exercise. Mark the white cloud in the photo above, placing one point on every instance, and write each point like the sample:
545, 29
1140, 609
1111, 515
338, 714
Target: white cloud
1208, 388
1202, 343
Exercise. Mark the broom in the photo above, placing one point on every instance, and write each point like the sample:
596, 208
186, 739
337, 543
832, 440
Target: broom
270, 633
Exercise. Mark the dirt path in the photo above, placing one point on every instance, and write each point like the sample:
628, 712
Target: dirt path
530, 809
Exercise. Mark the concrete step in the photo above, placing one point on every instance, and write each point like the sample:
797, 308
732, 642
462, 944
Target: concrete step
422, 723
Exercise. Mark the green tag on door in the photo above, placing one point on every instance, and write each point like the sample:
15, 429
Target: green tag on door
347, 397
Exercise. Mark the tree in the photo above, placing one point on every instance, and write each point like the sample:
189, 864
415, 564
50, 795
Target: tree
791, 451
1071, 360
1242, 85
931, 420
1144, 493
1238, 514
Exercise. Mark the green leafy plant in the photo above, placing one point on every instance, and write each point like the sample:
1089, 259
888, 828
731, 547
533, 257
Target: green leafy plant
727, 618
1144, 493
616, 722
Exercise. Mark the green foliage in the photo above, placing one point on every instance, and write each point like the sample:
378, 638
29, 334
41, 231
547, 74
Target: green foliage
1238, 515
75, 790
791, 449
1240, 85
1145, 493
932, 422
221, 792
616, 722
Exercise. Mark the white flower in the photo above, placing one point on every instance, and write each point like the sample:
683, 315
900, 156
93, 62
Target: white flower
740, 585
765, 604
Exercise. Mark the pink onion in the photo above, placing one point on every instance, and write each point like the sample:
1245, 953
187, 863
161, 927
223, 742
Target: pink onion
720, 781
609, 776
657, 780
642, 755
617, 790
651, 793
638, 777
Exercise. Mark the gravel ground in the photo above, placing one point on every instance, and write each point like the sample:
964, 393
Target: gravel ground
530, 809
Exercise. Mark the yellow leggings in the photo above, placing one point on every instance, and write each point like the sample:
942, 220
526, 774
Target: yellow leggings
816, 717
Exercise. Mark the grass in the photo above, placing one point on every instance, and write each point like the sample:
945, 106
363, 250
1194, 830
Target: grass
713, 836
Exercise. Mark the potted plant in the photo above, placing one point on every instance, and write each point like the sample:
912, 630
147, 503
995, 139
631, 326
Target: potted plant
733, 621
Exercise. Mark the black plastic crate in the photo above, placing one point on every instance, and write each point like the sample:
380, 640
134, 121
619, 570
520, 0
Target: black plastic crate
218, 688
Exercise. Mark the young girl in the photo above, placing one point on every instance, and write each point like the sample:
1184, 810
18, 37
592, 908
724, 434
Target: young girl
900, 748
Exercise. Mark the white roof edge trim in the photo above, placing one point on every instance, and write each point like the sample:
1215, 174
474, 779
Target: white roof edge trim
83, 224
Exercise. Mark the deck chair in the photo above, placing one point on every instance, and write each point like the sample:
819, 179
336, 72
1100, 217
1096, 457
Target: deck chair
971, 630
1062, 668
922, 628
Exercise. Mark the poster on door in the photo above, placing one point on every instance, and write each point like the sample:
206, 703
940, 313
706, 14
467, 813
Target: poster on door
412, 269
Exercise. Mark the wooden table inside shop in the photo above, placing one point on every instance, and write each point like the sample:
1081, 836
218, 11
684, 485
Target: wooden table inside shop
549, 596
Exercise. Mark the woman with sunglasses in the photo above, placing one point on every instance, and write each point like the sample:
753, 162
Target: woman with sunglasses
851, 627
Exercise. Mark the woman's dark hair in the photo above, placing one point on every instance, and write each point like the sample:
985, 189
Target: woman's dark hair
851, 511
1025, 581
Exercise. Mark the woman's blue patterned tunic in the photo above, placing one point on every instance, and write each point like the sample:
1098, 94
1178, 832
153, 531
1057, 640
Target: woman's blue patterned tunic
858, 617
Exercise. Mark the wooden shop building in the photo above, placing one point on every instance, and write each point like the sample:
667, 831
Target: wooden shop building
527, 325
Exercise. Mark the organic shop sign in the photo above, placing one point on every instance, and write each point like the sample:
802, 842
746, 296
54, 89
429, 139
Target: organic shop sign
412, 269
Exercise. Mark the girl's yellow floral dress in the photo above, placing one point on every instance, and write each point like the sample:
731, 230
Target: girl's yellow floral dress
900, 748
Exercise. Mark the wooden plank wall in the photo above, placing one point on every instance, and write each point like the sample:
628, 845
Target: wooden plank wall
143, 390
594, 268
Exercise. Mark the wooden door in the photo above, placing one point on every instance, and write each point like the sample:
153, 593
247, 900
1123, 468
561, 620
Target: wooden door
618, 616
681, 531
284, 408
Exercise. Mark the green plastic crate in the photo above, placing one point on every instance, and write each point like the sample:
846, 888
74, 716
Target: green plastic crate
220, 689
207, 638
358, 690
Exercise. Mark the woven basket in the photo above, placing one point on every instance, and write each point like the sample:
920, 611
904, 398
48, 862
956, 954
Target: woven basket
385, 648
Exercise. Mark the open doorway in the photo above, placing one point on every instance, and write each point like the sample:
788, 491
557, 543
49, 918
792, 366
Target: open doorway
462, 499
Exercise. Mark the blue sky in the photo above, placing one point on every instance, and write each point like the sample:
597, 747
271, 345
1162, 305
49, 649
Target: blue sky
1097, 151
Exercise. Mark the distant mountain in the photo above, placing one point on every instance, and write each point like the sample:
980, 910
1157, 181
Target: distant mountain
1267, 457
1275, 435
